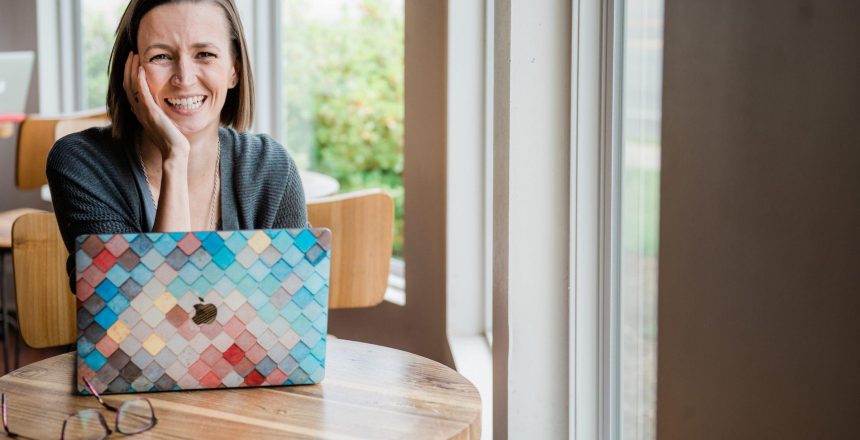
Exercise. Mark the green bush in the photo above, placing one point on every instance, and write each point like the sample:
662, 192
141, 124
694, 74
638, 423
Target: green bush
344, 97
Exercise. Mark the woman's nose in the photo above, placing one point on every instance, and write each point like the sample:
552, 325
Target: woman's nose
184, 74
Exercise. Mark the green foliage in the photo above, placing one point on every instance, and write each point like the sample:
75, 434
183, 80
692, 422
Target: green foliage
344, 96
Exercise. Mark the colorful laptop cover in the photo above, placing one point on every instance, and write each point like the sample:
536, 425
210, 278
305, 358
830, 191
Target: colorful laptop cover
180, 311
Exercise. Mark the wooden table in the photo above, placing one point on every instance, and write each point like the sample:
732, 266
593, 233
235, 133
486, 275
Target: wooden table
369, 392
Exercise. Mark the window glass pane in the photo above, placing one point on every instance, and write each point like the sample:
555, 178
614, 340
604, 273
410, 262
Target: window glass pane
99, 19
343, 93
640, 137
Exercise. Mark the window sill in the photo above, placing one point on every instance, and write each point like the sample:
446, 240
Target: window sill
473, 358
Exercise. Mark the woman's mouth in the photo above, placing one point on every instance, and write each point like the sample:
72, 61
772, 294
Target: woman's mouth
188, 103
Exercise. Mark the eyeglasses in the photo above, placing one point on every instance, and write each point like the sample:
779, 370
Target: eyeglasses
132, 417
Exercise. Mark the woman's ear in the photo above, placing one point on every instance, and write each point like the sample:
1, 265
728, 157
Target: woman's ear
234, 75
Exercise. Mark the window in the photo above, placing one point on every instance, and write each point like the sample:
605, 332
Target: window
343, 93
99, 19
641, 80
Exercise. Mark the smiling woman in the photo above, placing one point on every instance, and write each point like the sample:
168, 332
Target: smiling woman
176, 157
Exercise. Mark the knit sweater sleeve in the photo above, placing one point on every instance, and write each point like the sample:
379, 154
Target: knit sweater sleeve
85, 194
292, 212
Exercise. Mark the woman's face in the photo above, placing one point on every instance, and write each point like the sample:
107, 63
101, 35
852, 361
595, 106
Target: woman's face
186, 52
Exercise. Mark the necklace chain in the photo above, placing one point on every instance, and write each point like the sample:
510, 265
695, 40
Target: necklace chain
211, 221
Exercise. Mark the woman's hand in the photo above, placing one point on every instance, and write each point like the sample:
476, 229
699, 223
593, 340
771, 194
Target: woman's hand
156, 125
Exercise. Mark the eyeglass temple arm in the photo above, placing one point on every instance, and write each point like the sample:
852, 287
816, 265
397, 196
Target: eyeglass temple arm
98, 396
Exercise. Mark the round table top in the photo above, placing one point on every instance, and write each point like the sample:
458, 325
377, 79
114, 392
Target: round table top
368, 392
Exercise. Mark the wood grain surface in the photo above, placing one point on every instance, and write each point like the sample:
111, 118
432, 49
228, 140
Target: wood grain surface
46, 306
369, 392
362, 229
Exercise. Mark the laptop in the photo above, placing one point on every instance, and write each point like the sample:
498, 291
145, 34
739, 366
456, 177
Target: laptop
198, 310
15, 70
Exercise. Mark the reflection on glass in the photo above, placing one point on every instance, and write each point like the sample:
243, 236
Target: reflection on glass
343, 92
99, 19
640, 132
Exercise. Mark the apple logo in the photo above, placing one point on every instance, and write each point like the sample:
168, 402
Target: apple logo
204, 313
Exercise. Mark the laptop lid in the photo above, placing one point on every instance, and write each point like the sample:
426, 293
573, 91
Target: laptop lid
15, 71
196, 310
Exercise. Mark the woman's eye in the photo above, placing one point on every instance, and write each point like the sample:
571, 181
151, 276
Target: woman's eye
160, 57
206, 55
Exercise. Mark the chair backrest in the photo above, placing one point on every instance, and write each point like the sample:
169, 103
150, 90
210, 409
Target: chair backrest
36, 137
46, 306
362, 226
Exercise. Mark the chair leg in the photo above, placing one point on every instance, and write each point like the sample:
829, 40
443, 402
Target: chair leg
5, 312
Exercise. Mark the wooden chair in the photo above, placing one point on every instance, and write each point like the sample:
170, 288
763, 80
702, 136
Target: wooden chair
362, 225
46, 306
36, 136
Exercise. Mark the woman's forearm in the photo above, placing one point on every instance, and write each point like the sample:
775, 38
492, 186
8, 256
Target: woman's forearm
173, 213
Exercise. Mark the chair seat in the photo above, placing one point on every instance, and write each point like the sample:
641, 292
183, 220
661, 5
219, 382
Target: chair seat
7, 218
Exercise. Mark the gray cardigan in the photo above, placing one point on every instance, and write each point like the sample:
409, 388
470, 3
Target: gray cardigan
97, 186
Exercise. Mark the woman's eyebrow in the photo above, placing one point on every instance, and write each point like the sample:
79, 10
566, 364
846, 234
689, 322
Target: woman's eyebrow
202, 45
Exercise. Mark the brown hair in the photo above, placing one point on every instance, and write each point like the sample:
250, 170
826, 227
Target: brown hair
238, 111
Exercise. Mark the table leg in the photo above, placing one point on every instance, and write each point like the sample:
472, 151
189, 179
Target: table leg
5, 312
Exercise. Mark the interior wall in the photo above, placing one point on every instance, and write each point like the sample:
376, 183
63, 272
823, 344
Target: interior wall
18, 32
759, 310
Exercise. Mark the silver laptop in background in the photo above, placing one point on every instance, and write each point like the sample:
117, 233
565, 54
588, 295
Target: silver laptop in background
15, 71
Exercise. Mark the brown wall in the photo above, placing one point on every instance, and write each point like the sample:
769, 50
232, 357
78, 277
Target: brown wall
759, 309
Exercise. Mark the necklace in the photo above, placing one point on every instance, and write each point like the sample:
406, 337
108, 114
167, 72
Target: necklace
211, 221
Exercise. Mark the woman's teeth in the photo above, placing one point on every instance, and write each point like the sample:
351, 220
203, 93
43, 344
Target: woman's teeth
186, 103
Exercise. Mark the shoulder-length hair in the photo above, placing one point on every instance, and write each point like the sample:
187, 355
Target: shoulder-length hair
238, 111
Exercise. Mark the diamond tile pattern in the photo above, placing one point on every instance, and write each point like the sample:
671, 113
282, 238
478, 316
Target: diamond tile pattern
136, 303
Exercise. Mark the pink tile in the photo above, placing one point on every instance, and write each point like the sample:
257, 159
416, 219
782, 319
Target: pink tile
188, 244
256, 353
198, 369
211, 355
234, 327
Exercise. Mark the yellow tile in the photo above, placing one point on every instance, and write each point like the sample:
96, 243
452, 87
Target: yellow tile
165, 302
118, 332
153, 344
259, 241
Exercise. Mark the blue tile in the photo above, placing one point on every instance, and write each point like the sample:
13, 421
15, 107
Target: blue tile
314, 283
95, 360
302, 298
213, 243
236, 242
270, 285
293, 255
141, 275
107, 290
303, 269
247, 285
281, 270
266, 366
212, 272
118, 304
84, 346
235, 271
257, 300
202, 286
301, 325
309, 364
223, 257
267, 312
178, 287
141, 245
300, 351
305, 240
291, 311
117, 275
282, 241
258, 270
189, 273
106, 318
319, 350
165, 244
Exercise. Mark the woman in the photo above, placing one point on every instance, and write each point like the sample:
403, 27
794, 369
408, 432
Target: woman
176, 157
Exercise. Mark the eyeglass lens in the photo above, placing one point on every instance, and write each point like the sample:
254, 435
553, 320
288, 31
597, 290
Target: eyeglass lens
86, 424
